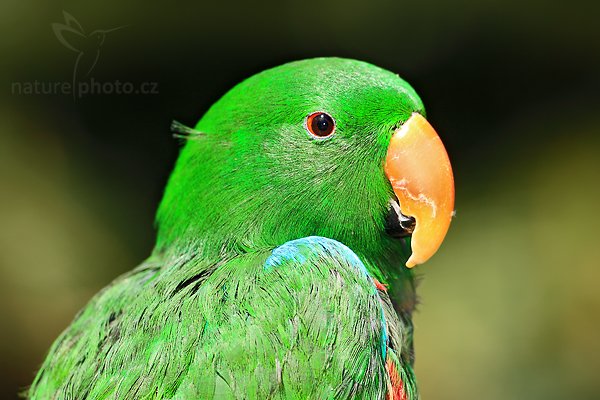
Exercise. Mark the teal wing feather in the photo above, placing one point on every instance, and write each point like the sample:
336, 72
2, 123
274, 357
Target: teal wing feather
303, 321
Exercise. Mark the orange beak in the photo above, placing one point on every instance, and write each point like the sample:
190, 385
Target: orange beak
419, 170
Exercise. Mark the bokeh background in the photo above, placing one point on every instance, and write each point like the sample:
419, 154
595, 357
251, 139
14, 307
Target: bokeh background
510, 305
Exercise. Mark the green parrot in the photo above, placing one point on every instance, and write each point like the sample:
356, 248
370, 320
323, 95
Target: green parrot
285, 238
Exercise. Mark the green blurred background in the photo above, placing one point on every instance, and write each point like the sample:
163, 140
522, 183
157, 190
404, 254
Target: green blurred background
510, 305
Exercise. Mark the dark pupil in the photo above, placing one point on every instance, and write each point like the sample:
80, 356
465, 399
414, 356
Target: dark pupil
322, 125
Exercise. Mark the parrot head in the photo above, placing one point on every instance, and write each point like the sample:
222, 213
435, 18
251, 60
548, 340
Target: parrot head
322, 147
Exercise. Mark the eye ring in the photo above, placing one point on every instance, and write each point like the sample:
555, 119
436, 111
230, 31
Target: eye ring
320, 125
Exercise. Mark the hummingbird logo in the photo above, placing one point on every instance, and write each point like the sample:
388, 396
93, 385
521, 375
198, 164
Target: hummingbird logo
87, 46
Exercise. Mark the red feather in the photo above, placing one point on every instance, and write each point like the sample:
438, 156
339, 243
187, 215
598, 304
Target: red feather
396, 392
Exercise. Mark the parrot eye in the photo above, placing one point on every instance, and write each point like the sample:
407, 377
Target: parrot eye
320, 124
